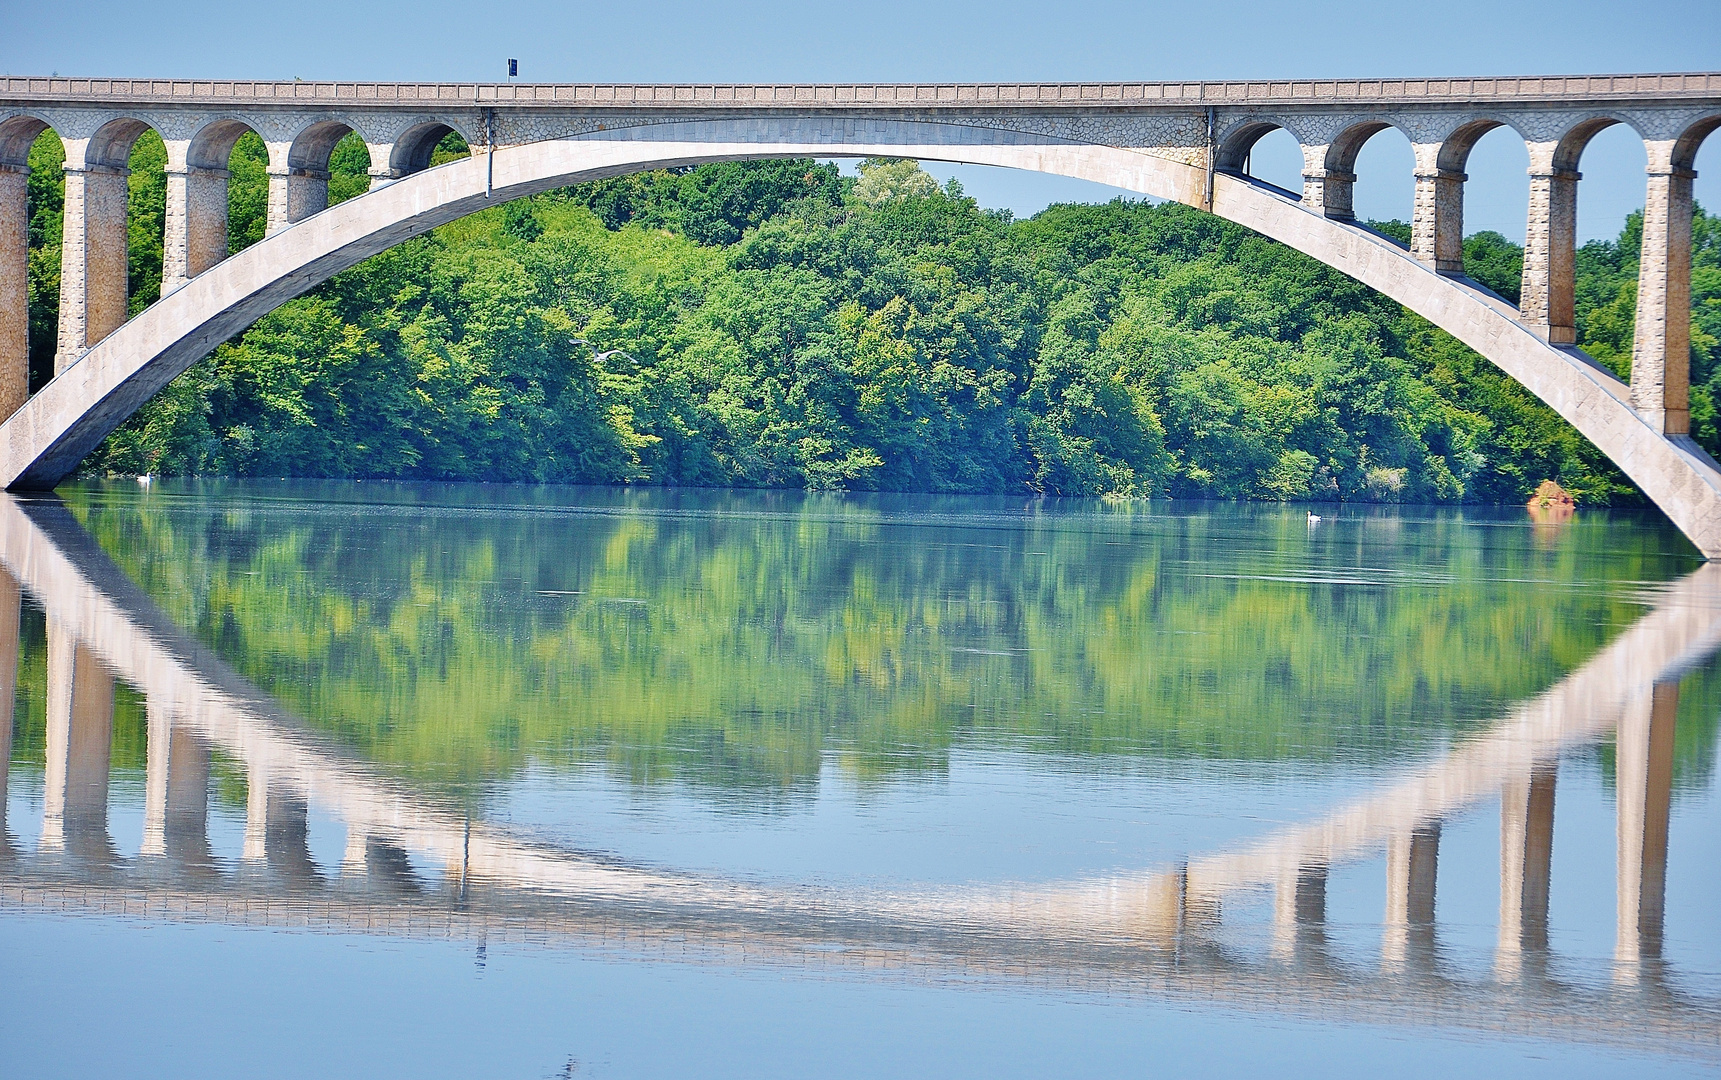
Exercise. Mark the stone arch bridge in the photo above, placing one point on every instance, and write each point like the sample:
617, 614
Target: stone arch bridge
1187, 142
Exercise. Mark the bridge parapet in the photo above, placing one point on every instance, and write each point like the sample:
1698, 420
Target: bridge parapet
1379, 92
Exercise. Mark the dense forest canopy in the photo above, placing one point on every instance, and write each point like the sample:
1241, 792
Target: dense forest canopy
775, 324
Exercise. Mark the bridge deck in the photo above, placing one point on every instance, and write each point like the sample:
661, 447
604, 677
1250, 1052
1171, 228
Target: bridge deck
1566, 89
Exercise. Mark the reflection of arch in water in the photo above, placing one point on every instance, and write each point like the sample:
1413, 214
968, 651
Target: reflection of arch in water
1124, 927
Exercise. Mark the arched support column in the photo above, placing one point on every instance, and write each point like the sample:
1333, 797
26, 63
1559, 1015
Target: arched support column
196, 224
1547, 296
1661, 346
299, 174
384, 174
14, 288
294, 195
1526, 860
353, 866
93, 257
277, 831
1643, 786
1437, 215
1327, 190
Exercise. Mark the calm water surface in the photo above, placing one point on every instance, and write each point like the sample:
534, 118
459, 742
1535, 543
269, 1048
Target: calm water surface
474, 781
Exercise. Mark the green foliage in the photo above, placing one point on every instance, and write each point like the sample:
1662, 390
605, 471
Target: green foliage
1495, 262
885, 180
349, 168
713, 204
771, 323
451, 148
247, 192
146, 220
46, 203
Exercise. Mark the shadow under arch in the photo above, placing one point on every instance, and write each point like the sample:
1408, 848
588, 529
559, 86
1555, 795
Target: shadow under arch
47, 439
1235, 155
208, 200
305, 174
415, 146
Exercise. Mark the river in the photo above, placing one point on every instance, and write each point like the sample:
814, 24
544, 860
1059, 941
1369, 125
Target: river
377, 779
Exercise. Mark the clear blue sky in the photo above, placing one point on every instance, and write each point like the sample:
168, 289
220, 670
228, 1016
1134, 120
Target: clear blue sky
678, 41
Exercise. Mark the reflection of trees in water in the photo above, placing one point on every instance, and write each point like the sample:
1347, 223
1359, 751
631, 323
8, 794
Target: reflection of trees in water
735, 649
1166, 926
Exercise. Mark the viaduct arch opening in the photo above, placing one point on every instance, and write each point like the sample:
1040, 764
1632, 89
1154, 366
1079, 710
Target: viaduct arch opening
51, 434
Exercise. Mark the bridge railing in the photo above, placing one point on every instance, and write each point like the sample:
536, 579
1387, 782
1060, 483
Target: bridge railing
1564, 88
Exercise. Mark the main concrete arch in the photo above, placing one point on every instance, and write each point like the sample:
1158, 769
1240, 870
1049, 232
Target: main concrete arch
44, 441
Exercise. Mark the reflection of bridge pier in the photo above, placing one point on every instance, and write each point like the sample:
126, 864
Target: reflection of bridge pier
1526, 860
1300, 914
277, 830
1412, 859
1644, 789
388, 869
80, 740
176, 792
10, 610
378, 864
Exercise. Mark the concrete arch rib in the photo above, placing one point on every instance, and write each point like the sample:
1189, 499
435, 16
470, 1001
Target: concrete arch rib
44, 441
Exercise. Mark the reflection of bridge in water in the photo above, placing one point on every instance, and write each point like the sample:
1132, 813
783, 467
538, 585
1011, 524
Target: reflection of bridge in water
1156, 932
